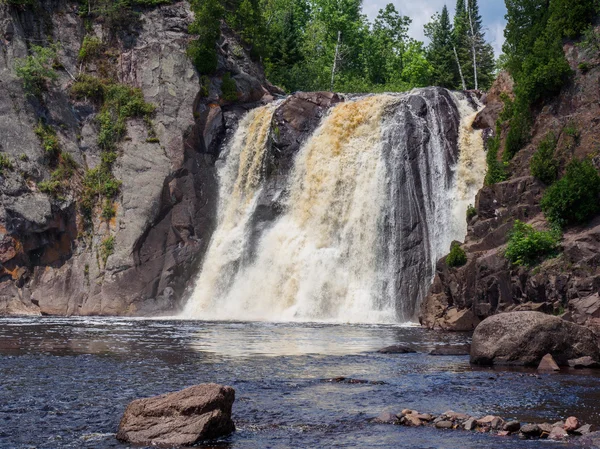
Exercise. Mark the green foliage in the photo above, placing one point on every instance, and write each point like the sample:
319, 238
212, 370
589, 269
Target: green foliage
90, 48
98, 182
5, 163
575, 197
48, 138
457, 256
50, 187
471, 212
534, 55
544, 165
88, 87
518, 132
206, 25
496, 171
107, 248
108, 210
527, 246
37, 70
118, 103
572, 131
229, 88
584, 67
590, 44
204, 86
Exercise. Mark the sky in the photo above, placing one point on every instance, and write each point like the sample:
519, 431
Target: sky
420, 11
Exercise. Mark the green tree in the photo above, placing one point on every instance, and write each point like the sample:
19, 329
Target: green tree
440, 53
206, 25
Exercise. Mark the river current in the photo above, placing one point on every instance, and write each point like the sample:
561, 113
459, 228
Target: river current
66, 381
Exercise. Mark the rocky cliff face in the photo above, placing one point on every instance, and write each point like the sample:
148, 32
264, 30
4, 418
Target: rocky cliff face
139, 261
568, 285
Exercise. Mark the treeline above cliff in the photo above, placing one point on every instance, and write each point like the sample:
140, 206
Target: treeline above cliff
315, 45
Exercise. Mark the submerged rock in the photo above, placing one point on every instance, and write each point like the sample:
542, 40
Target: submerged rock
397, 349
451, 350
523, 338
183, 418
386, 418
584, 362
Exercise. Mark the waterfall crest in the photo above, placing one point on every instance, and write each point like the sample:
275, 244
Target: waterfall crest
375, 197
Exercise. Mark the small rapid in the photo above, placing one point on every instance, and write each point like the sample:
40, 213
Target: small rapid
376, 195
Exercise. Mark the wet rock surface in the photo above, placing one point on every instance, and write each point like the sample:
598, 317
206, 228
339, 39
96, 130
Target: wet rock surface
568, 285
184, 418
524, 338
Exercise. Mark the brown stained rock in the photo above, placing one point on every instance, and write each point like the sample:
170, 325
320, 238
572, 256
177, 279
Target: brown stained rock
557, 434
572, 424
455, 416
523, 338
412, 420
512, 426
182, 418
531, 430
470, 424
548, 364
444, 425
459, 320
486, 420
584, 430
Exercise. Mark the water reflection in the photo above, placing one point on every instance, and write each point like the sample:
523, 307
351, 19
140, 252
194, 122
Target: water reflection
70, 379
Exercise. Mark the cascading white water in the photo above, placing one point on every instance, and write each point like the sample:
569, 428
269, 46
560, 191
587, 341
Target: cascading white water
346, 247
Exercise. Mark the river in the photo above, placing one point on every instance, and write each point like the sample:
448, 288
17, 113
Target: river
66, 381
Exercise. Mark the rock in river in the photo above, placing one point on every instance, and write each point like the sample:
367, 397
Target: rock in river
523, 338
182, 418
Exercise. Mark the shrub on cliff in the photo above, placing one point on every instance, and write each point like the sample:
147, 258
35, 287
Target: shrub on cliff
37, 70
527, 246
543, 164
575, 197
457, 256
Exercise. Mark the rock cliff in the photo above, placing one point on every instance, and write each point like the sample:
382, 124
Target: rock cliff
568, 285
135, 251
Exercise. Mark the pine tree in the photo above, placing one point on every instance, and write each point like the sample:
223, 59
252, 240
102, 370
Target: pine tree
440, 52
484, 53
462, 44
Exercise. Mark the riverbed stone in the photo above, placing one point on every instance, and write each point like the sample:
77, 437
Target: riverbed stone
572, 424
397, 349
548, 364
444, 425
557, 434
470, 424
584, 362
524, 338
386, 418
512, 426
584, 430
183, 418
531, 430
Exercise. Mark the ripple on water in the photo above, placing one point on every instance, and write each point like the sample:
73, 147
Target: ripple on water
66, 381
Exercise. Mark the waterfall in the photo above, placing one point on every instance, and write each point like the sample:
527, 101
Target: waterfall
375, 197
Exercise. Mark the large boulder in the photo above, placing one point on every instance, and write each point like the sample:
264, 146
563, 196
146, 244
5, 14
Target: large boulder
523, 338
183, 418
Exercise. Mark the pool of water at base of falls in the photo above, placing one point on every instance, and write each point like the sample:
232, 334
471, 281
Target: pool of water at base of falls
65, 383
